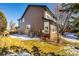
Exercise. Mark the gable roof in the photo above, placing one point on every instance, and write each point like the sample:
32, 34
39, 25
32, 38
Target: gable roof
42, 6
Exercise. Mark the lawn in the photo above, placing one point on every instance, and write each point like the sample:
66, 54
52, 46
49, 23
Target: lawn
28, 44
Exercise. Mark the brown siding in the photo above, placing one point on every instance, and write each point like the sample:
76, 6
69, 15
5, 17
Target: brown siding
33, 17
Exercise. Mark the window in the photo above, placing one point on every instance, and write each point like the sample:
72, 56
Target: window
23, 20
46, 27
47, 17
28, 26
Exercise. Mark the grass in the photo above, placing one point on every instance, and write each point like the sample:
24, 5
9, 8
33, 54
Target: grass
8, 41
28, 44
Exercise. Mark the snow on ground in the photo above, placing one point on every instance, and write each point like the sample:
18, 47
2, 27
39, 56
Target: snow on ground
23, 37
70, 37
71, 40
71, 50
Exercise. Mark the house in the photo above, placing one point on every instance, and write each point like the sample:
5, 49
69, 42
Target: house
1, 24
37, 18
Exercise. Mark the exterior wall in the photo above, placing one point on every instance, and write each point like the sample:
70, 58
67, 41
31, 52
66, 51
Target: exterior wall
53, 28
53, 33
33, 17
47, 15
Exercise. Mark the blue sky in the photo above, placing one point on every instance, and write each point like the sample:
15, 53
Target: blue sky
14, 11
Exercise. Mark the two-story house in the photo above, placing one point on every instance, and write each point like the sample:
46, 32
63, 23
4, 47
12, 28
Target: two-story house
1, 21
37, 18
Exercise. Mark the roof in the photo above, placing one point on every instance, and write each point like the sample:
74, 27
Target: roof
43, 6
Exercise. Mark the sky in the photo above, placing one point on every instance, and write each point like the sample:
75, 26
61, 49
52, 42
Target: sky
13, 11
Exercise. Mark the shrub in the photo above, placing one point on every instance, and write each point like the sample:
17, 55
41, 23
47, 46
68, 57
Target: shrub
4, 51
35, 51
12, 49
3, 22
51, 54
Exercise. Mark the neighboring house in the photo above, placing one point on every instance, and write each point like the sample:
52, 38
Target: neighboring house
1, 22
38, 18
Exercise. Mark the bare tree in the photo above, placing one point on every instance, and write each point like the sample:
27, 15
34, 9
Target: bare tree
12, 25
62, 18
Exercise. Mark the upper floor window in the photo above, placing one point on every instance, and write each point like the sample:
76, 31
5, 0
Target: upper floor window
23, 20
47, 15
